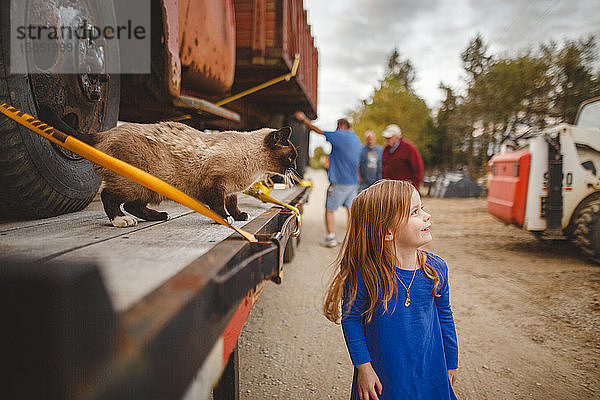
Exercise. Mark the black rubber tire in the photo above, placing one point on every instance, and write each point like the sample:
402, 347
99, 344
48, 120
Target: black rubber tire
587, 230
300, 138
37, 180
290, 250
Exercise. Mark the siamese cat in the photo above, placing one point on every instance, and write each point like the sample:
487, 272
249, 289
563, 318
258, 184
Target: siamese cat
212, 168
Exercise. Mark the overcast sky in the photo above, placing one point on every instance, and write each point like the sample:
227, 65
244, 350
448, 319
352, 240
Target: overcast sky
355, 37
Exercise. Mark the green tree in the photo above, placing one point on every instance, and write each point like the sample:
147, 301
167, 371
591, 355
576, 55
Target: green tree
475, 58
476, 62
395, 102
572, 71
535, 88
400, 70
315, 160
450, 126
513, 89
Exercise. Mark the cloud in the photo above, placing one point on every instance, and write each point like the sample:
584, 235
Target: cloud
385, 14
355, 37
515, 24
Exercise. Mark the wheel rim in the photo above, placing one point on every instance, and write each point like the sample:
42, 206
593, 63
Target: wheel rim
594, 235
80, 99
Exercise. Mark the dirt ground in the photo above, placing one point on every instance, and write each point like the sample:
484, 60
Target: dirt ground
527, 313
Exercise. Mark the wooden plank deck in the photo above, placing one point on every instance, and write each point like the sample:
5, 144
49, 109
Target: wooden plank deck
133, 261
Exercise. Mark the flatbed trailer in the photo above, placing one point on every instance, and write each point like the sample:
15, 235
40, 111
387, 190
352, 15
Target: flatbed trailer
153, 311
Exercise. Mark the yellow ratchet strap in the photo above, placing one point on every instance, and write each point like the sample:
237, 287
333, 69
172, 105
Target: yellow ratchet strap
305, 182
285, 77
261, 190
116, 165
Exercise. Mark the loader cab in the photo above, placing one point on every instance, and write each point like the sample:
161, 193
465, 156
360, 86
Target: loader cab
588, 115
551, 187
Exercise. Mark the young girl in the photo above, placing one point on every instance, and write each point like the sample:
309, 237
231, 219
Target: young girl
394, 298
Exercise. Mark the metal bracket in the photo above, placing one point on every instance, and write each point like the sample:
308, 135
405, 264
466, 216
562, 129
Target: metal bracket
261, 190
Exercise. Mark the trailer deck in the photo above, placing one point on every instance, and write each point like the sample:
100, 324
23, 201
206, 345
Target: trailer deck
175, 287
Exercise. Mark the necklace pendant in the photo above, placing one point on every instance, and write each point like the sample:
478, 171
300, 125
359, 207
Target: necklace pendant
407, 302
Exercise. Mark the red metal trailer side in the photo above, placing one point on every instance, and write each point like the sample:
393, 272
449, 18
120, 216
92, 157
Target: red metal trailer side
269, 34
205, 50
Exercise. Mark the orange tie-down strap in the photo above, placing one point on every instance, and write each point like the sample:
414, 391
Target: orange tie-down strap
116, 165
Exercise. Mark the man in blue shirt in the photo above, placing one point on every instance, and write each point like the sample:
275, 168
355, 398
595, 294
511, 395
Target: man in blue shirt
342, 173
369, 168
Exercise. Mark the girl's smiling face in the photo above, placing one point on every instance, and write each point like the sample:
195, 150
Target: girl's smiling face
416, 232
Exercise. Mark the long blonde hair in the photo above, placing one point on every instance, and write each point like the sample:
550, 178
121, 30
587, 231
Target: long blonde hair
384, 207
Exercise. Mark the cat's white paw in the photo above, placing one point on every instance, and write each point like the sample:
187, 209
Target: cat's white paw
229, 219
124, 222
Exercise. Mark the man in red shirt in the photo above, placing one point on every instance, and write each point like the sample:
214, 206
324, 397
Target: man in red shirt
401, 159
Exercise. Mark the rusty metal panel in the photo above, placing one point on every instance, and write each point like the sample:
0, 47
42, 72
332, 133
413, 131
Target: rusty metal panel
171, 38
284, 32
272, 18
207, 44
194, 103
259, 11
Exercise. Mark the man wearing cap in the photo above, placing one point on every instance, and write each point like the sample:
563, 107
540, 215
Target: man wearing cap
342, 173
401, 159
369, 168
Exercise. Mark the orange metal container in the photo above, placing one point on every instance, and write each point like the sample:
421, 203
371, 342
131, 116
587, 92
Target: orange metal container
507, 191
269, 33
207, 45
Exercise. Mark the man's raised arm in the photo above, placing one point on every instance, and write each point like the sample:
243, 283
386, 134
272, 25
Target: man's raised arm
300, 116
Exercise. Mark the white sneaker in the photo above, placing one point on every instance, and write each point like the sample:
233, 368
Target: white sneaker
329, 242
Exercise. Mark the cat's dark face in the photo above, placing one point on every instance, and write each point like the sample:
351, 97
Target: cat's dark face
283, 152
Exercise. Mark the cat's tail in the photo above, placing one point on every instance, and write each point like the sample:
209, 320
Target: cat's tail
47, 115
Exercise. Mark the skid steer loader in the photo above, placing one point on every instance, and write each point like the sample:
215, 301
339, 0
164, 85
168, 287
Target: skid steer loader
550, 184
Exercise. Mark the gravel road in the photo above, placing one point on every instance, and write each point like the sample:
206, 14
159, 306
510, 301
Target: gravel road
527, 313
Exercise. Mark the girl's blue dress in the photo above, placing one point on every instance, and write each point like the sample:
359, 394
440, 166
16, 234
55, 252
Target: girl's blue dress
410, 348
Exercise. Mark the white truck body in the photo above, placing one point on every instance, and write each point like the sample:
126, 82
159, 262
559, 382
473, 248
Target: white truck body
578, 145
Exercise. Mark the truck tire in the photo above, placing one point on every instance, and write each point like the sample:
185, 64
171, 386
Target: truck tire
290, 250
300, 139
40, 179
586, 234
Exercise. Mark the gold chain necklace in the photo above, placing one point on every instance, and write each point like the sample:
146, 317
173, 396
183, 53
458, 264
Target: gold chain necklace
407, 302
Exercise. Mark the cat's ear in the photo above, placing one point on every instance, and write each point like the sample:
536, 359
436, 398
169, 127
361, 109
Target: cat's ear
286, 132
284, 135
278, 137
